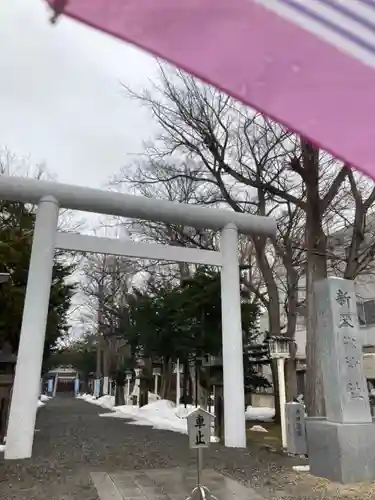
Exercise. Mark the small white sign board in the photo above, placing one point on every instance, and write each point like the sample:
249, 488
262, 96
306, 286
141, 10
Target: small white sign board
199, 428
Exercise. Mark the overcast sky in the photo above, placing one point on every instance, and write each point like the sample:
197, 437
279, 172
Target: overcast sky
60, 96
61, 101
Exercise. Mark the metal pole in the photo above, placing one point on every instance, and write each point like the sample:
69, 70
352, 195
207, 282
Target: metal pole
199, 465
20, 435
234, 399
196, 382
282, 398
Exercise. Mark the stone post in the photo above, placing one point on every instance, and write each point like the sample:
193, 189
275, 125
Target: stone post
296, 428
341, 447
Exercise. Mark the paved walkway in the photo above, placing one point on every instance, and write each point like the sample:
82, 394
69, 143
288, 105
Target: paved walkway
170, 484
72, 443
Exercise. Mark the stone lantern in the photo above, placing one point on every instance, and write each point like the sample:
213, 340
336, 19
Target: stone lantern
7, 368
279, 349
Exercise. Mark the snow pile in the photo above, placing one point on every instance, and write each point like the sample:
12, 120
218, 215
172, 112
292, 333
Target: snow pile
109, 401
258, 428
161, 414
158, 414
183, 412
153, 397
263, 414
105, 401
301, 468
43, 400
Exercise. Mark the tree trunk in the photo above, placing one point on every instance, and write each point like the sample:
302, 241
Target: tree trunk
163, 380
99, 336
291, 363
219, 412
185, 382
85, 388
166, 381
192, 373
273, 310
106, 358
99, 357
273, 305
202, 397
316, 269
143, 392
119, 395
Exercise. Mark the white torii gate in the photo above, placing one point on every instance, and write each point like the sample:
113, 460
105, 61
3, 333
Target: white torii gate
50, 197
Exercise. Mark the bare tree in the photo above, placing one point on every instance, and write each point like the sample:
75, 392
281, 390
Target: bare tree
17, 166
227, 156
230, 156
106, 285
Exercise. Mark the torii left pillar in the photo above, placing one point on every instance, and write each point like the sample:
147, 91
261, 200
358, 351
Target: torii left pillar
20, 433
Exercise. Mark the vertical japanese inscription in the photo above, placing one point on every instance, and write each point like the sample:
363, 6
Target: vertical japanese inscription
343, 298
199, 436
298, 423
352, 351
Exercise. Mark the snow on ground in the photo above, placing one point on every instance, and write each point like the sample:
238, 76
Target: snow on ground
301, 468
159, 414
162, 414
105, 401
43, 400
258, 428
263, 414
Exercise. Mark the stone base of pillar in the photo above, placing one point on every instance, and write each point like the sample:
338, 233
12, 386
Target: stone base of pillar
344, 453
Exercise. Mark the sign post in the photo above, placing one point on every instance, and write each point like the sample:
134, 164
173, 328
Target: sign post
199, 431
97, 388
76, 386
50, 387
128, 379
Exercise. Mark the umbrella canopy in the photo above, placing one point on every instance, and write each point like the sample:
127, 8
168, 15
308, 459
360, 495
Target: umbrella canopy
308, 65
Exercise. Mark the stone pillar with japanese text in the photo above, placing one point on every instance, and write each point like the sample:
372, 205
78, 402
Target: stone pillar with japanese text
341, 446
340, 352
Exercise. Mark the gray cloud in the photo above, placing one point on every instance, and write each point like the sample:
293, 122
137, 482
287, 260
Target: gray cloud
61, 101
60, 97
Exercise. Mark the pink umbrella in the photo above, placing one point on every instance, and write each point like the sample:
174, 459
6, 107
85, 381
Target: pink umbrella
310, 65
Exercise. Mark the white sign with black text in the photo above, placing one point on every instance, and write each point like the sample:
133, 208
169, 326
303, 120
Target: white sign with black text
199, 428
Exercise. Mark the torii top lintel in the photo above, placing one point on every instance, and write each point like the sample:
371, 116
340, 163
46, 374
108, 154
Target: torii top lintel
135, 207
